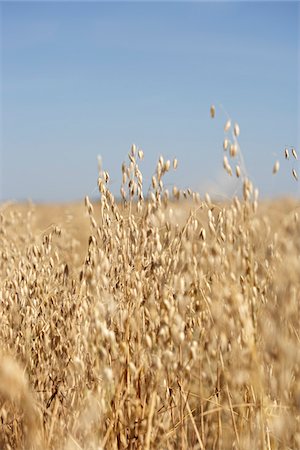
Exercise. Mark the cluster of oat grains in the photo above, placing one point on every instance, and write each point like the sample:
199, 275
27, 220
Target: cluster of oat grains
174, 324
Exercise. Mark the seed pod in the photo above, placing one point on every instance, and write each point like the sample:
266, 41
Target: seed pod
236, 130
286, 153
154, 182
133, 149
227, 125
167, 165
212, 111
226, 165
233, 150
225, 144
276, 167
207, 199
175, 164
238, 171
140, 154
202, 234
123, 193
294, 153
295, 174
225, 162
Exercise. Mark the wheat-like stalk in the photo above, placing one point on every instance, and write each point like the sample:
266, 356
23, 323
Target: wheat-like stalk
151, 321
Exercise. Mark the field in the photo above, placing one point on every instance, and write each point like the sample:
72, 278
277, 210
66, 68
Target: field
166, 323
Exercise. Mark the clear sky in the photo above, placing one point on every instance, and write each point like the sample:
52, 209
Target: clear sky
81, 79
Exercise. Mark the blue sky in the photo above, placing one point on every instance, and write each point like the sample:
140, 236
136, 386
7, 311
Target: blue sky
80, 79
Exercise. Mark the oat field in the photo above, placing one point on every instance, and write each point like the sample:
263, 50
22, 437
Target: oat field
170, 322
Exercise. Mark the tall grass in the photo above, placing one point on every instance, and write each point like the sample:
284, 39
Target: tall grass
179, 328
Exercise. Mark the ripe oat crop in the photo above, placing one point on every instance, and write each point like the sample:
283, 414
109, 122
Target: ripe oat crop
163, 322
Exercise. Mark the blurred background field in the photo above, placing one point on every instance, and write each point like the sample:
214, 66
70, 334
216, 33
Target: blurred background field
74, 219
